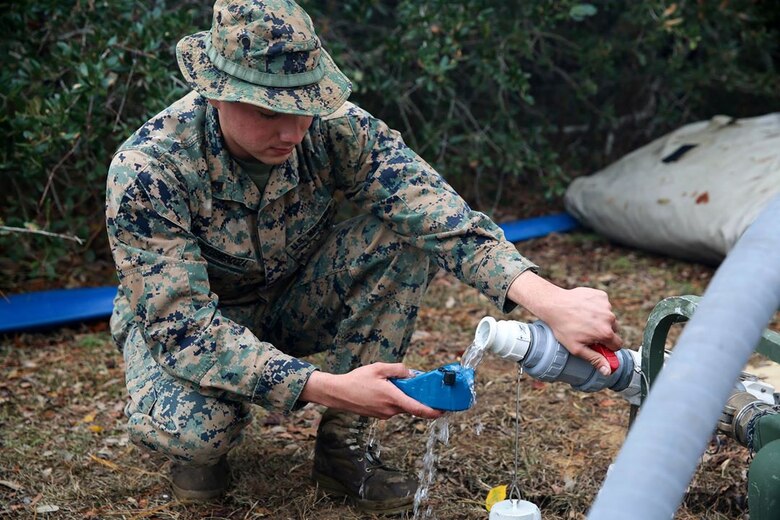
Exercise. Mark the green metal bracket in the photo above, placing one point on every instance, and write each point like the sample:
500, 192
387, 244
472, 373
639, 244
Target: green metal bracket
666, 313
764, 476
678, 309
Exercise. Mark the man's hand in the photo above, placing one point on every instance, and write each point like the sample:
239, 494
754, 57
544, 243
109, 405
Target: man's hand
366, 391
579, 317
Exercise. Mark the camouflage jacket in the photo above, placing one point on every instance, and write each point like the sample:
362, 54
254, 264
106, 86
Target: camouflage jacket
189, 232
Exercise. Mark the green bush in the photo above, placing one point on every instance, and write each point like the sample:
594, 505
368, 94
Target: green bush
502, 97
79, 77
548, 89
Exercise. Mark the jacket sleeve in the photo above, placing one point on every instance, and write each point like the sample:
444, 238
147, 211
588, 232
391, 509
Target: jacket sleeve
165, 285
391, 181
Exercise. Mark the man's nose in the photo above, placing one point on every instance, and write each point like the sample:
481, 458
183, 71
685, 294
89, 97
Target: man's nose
293, 128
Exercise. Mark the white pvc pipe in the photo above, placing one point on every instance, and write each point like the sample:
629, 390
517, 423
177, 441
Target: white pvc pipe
662, 451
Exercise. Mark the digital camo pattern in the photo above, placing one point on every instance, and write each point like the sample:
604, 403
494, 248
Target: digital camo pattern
263, 43
173, 416
357, 300
226, 287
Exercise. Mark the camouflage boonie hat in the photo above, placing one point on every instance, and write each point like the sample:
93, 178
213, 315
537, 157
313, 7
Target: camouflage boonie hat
263, 52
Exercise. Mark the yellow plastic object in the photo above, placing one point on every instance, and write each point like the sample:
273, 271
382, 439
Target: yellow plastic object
495, 495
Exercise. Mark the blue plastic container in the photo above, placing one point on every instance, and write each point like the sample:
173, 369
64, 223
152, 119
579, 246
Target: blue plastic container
449, 388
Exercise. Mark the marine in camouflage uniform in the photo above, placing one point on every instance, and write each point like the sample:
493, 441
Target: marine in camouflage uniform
231, 271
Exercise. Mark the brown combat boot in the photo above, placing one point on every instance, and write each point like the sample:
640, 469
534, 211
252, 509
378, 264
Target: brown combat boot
344, 466
194, 483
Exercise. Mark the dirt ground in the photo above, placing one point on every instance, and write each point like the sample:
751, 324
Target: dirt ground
64, 451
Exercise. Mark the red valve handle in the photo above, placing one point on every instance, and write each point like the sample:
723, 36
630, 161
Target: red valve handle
612, 358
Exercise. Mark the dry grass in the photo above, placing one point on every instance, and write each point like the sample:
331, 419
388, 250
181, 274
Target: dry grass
64, 444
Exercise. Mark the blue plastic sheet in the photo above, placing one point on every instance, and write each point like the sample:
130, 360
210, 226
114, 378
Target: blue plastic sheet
536, 227
46, 309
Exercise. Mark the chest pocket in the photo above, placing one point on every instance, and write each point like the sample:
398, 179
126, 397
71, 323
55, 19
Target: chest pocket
306, 243
236, 280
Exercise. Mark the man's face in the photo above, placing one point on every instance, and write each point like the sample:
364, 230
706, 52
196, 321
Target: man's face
254, 132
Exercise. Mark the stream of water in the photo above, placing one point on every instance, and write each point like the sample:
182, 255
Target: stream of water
473, 355
439, 432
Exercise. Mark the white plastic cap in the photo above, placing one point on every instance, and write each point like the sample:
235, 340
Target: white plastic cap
507, 339
515, 510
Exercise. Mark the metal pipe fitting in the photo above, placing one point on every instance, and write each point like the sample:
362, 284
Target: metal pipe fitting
534, 346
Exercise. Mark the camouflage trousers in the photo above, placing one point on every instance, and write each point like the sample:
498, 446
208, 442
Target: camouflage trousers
356, 299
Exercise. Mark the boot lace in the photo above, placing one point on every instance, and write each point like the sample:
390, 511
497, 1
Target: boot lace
358, 441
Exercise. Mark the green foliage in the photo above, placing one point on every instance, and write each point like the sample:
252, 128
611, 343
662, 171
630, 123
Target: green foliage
79, 77
539, 91
499, 96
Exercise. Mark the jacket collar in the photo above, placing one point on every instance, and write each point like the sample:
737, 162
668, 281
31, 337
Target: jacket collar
228, 184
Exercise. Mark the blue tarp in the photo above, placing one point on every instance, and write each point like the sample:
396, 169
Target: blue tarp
536, 227
45, 309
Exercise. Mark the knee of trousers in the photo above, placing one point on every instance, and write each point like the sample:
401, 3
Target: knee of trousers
172, 416
199, 438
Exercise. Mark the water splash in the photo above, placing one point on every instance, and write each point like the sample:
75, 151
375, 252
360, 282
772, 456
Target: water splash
372, 438
373, 446
473, 355
438, 430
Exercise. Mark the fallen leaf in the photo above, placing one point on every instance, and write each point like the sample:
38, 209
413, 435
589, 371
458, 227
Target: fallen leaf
302, 432
105, 463
420, 335
11, 485
47, 508
495, 495
105, 453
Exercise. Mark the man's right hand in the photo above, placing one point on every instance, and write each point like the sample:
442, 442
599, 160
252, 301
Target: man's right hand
579, 317
366, 391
